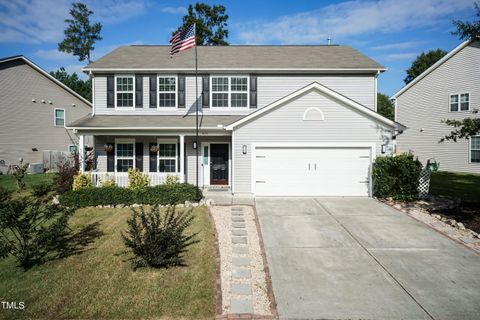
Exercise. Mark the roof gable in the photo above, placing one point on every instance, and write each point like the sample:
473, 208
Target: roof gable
325, 90
46, 74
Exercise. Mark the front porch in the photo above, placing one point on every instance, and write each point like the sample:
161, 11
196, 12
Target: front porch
161, 155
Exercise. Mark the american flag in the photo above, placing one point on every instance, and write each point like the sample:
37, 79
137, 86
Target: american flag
183, 40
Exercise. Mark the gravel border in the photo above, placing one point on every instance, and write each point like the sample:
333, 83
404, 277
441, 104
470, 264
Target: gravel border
260, 297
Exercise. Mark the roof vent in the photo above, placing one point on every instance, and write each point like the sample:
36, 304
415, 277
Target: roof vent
329, 40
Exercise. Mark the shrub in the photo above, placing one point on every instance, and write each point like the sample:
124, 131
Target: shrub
4, 194
396, 176
158, 195
137, 179
19, 176
171, 179
108, 183
31, 230
81, 180
63, 179
158, 239
41, 189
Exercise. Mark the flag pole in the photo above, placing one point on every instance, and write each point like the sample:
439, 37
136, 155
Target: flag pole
196, 106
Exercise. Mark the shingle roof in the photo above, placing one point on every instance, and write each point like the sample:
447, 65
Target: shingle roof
237, 57
151, 122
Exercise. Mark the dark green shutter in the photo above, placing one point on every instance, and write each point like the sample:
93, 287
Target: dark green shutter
139, 156
206, 91
111, 158
181, 91
153, 158
138, 91
153, 91
110, 91
253, 91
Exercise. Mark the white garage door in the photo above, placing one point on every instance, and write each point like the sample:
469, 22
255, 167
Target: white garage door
283, 171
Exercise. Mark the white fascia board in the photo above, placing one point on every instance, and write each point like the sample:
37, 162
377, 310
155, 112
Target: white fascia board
309, 70
143, 128
323, 89
48, 75
433, 67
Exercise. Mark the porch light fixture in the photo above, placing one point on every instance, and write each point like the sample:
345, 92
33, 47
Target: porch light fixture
384, 148
194, 144
244, 149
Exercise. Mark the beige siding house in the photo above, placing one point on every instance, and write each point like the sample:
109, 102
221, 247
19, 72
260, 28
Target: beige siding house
450, 89
34, 109
298, 117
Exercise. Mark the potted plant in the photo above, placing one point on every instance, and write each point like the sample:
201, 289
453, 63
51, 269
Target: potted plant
108, 147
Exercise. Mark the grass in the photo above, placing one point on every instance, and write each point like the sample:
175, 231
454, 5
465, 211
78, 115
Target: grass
8, 181
458, 185
100, 283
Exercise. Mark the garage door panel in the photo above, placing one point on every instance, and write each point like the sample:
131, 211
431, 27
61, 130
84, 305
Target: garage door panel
312, 171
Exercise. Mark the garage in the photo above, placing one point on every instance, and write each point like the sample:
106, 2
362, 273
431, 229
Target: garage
312, 171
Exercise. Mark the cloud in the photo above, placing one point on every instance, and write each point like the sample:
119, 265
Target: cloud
53, 54
400, 45
399, 56
42, 21
174, 10
348, 19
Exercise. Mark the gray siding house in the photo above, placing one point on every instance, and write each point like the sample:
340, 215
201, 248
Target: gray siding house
450, 89
274, 120
34, 109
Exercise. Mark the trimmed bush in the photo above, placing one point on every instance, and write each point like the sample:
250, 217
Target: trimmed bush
108, 183
158, 195
171, 179
81, 180
158, 239
396, 176
42, 189
137, 179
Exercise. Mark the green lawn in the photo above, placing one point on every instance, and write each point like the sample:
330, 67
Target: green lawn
100, 283
8, 181
459, 185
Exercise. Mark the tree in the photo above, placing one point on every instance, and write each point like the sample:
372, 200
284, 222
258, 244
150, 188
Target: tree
464, 129
423, 62
468, 30
211, 24
82, 87
385, 106
80, 35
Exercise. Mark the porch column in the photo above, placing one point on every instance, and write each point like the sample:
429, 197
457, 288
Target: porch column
182, 158
81, 152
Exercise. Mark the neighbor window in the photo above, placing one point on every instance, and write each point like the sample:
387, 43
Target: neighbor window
125, 153
72, 148
167, 157
475, 149
59, 117
125, 91
459, 102
230, 91
167, 92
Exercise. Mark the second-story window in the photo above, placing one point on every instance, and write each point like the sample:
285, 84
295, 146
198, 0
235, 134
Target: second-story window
459, 102
167, 92
125, 91
231, 91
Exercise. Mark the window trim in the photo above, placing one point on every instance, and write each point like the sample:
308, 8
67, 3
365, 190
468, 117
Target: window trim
158, 91
470, 150
115, 91
229, 107
459, 101
168, 141
124, 141
55, 118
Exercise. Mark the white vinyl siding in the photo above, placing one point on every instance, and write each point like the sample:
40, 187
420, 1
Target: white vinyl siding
424, 107
285, 124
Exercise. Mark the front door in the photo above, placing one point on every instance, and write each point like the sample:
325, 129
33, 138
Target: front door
219, 164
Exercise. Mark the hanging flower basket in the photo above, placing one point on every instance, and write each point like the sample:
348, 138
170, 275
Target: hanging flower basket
108, 147
154, 149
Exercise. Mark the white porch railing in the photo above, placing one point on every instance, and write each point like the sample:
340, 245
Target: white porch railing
121, 178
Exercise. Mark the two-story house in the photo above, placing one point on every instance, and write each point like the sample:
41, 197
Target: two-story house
449, 89
274, 120
34, 110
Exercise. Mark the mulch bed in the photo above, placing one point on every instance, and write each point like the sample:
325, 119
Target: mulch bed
467, 213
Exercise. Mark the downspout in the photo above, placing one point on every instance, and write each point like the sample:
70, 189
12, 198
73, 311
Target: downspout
93, 91
375, 91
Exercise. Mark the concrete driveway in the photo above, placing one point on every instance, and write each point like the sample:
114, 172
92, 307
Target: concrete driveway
356, 258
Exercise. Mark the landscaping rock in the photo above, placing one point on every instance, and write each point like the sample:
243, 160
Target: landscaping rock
461, 226
209, 202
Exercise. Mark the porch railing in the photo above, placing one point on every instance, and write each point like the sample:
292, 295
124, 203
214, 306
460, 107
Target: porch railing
121, 178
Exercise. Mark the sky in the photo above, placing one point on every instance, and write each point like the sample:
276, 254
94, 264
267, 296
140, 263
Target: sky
392, 32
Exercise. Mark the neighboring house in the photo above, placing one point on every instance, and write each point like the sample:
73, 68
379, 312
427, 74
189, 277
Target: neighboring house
450, 89
274, 120
34, 108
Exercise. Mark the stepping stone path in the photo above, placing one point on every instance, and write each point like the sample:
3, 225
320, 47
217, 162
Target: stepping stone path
241, 281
